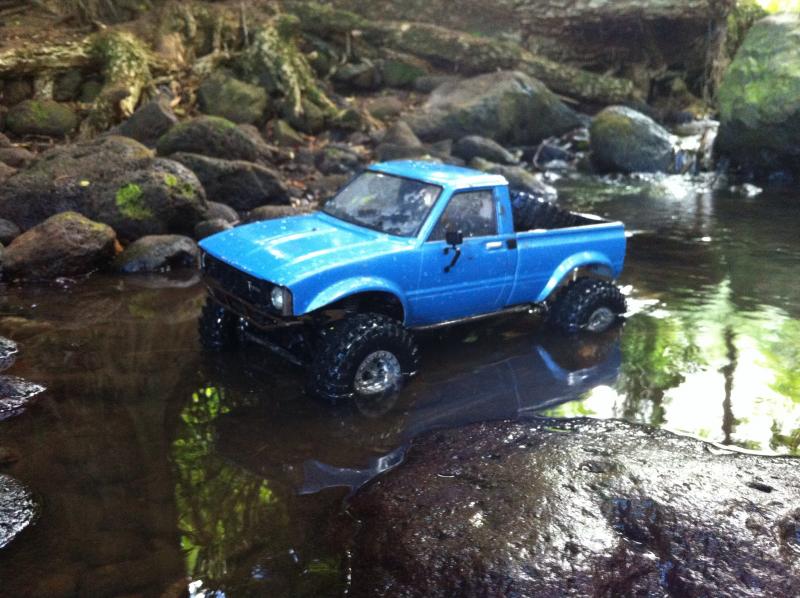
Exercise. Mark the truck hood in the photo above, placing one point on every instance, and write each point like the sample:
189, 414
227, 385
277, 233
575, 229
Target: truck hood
286, 250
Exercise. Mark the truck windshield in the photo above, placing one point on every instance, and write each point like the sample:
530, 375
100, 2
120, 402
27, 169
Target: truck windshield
390, 204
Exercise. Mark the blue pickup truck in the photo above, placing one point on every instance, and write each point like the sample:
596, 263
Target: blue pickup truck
404, 246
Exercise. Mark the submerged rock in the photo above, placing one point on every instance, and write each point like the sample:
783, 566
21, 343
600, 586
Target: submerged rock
41, 117
15, 395
114, 180
8, 353
66, 244
758, 99
508, 106
627, 141
157, 253
578, 507
240, 184
18, 509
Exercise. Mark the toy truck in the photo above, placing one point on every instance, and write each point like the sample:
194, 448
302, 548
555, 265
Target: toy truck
404, 246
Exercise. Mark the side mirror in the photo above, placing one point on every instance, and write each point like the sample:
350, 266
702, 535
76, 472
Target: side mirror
454, 238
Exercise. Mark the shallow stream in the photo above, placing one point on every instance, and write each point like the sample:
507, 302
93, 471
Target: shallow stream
153, 464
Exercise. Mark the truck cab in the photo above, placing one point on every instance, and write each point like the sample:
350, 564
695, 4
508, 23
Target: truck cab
405, 246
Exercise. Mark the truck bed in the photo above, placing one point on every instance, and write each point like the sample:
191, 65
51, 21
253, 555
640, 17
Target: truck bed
533, 213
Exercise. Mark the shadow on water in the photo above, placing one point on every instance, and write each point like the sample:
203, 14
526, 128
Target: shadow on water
154, 465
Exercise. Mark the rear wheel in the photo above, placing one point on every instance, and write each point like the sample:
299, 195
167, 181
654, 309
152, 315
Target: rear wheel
587, 305
218, 328
364, 356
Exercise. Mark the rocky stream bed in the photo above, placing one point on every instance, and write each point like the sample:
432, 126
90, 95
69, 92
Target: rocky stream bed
518, 464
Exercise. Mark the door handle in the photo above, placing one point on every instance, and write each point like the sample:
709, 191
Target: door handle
492, 245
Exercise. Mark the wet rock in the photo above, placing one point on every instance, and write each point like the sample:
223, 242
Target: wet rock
242, 185
90, 90
222, 211
284, 134
114, 180
15, 396
223, 95
157, 253
6, 172
272, 213
578, 507
18, 509
210, 136
66, 244
206, 228
507, 106
5, 141
8, 352
41, 117
326, 186
16, 91
338, 158
401, 134
8, 231
18, 157
627, 141
759, 112
518, 178
474, 146
149, 123
385, 107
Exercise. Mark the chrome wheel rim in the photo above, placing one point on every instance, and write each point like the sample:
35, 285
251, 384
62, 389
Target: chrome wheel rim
380, 371
600, 319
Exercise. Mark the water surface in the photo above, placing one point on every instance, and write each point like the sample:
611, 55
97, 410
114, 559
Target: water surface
155, 465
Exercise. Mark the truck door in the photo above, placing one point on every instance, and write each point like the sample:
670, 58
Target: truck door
482, 277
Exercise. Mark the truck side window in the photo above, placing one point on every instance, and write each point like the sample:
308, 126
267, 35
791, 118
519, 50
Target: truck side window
472, 212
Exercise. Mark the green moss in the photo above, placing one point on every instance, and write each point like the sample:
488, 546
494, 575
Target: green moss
130, 204
170, 179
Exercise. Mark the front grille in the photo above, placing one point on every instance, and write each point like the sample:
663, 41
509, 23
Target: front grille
234, 282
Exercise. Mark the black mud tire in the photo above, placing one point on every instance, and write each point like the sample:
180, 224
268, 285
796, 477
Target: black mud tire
579, 303
345, 344
218, 328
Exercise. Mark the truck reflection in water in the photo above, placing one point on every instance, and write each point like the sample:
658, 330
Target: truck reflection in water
508, 375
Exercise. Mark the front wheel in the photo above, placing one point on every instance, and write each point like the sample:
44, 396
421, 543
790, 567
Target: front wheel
587, 305
367, 357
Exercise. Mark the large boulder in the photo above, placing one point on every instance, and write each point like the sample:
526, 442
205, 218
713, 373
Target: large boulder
211, 136
114, 180
507, 106
223, 95
66, 244
240, 184
624, 140
149, 123
758, 98
577, 508
157, 253
41, 117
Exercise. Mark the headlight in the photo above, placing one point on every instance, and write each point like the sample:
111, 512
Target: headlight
278, 298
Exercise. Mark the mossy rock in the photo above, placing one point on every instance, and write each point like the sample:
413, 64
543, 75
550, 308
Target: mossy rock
66, 244
67, 86
758, 98
507, 106
402, 70
41, 117
114, 180
211, 136
623, 140
223, 95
